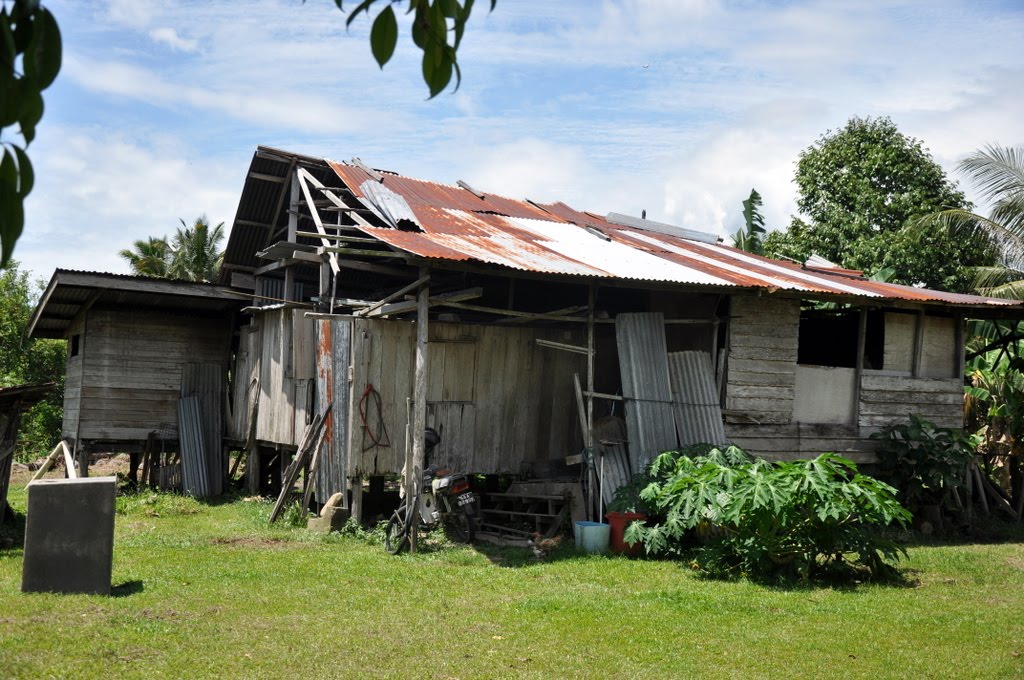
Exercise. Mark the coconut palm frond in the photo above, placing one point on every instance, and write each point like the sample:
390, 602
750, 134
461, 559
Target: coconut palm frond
997, 171
1009, 212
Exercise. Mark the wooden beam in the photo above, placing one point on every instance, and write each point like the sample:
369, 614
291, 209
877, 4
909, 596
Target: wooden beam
359, 251
394, 296
338, 237
302, 176
918, 344
374, 268
510, 312
279, 203
436, 301
279, 264
562, 346
267, 178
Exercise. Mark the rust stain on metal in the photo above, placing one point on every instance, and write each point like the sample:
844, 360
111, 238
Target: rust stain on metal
459, 225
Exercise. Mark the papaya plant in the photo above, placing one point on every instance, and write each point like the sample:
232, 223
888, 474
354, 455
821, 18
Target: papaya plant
770, 520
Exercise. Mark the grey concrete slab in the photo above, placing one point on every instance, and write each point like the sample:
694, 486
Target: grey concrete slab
69, 536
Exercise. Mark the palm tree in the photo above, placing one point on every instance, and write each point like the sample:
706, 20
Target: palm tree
194, 255
749, 238
148, 258
998, 173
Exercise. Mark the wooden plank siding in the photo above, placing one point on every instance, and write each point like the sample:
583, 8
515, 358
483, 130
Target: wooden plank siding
286, 369
763, 335
73, 380
130, 376
497, 398
761, 384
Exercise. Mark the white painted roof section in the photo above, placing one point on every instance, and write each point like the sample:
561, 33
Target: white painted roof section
817, 281
618, 259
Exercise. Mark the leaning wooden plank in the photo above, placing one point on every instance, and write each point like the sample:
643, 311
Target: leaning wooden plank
69, 461
50, 460
292, 471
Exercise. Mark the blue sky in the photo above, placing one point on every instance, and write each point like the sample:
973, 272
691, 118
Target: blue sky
677, 107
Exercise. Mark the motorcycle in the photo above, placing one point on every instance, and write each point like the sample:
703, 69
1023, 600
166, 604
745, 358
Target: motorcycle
442, 498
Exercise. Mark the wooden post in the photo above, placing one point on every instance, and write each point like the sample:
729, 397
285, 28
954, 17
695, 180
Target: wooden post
419, 417
918, 344
356, 504
862, 334
588, 438
252, 469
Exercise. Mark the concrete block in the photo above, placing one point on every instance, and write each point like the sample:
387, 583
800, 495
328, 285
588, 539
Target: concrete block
69, 536
331, 519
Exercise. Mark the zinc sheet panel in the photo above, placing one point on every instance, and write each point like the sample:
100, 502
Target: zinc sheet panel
697, 409
334, 338
618, 259
643, 364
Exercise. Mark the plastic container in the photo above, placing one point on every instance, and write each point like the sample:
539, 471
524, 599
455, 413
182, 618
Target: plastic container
618, 521
592, 536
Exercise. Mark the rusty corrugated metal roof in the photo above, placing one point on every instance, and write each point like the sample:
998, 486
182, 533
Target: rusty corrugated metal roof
457, 224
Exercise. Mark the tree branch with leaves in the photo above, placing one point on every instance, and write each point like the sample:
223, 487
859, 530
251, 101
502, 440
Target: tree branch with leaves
30, 57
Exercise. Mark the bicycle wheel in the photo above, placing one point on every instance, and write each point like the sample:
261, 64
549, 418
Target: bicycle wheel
396, 536
461, 525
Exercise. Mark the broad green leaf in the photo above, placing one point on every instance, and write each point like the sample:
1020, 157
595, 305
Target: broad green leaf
361, 7
43, 55
27, 177
12, 221
384, 36
31, 113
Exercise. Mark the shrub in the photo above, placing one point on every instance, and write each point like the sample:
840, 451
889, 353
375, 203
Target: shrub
922, 461
770, 520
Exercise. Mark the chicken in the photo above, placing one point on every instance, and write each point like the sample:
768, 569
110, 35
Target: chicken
542, 547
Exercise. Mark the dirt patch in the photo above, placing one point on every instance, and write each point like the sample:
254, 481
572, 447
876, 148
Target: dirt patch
102, 465
251, 542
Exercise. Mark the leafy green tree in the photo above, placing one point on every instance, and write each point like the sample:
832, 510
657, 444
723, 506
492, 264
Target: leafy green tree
194, 254
860, 189
149, 257
751, 237
27, 361
30, 56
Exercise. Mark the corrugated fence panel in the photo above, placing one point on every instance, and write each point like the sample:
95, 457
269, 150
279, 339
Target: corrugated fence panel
194, 471
643, 364
697, 409
206, 382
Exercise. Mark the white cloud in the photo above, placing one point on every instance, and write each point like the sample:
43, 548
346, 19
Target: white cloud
97, 192
168, 36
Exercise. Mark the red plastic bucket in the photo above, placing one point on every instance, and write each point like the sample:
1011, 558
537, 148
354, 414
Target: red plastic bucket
618, 522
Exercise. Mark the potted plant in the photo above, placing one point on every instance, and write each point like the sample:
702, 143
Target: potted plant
626, 507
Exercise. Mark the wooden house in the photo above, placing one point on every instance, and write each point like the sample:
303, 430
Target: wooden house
136, 345
536, 328
524, 332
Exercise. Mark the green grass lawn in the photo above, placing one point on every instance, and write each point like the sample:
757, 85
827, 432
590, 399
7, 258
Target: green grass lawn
212, 591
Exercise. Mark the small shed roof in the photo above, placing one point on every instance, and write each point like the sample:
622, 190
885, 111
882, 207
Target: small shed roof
435, 221
69, 292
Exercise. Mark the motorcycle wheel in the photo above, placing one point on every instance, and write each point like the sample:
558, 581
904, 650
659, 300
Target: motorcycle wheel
396, 535
461, 525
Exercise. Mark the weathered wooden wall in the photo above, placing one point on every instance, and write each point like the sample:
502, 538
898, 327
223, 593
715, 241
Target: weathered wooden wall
131, 369
244, 383
497, 397
763, 335
73, 380
765, 417
286, 348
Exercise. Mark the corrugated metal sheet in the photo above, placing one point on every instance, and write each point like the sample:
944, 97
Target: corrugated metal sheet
456, 224
204, 382
643, 363
695, 396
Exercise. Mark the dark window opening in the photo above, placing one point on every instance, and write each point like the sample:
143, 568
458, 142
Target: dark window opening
828, 337
75, 345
